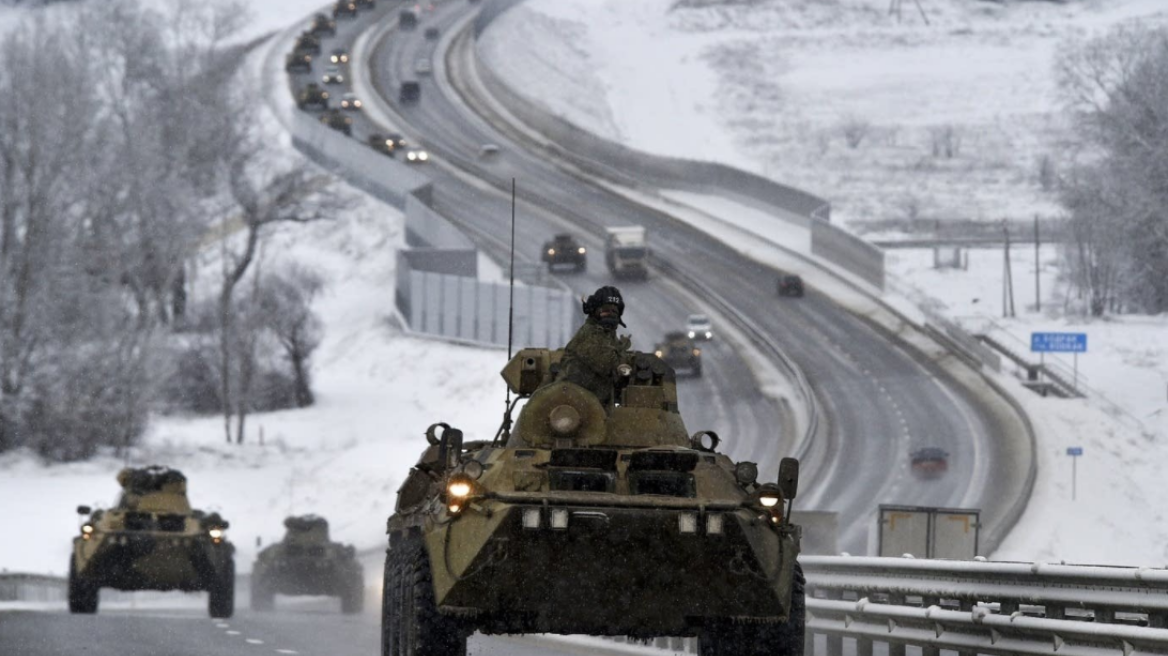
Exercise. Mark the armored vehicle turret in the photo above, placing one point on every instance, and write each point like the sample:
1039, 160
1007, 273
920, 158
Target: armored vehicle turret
152, 540
306, 562
595, 519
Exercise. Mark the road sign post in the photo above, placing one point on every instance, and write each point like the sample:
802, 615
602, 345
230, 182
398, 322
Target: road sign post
1074, 452
1075, 343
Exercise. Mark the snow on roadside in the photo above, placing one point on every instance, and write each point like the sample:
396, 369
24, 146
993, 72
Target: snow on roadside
377, 390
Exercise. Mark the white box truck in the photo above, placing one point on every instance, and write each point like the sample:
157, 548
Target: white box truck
626, 251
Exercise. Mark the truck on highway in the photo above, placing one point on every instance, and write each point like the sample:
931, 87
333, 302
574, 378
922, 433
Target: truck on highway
410, 92
626, 251
407, 20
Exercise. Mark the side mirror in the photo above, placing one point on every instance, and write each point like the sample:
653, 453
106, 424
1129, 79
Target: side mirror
789, 477
225, 525
84, 510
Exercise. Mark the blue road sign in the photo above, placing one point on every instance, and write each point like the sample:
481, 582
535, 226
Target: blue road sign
1074, 450
1058, 342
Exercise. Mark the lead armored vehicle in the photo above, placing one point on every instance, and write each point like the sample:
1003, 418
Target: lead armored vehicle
152, 540
306, 562
592, 519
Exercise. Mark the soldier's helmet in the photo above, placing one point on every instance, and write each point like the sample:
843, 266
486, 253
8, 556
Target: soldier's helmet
607, 295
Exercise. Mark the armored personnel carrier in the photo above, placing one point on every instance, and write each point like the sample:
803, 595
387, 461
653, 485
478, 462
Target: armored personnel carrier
152, 540
565, 250
305, 562
337, 121
298, 62
592, 519
312, 95
680, 353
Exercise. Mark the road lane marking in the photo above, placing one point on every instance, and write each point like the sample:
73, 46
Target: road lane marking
233, 633
253, 641
223, 625
286, 651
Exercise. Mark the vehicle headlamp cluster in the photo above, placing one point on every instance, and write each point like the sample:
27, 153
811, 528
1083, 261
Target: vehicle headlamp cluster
461, 486
86, 531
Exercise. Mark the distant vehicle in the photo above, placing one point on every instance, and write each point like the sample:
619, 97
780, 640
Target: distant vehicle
307, 42
306, 562
337, 121
407, 20
488, 150
322, 25
332, 75
563, 250
626, 252
382, 144
152, 540
312, 95
410, 92
298, 62
339, 56
346, 8
423, 66
399, 141
350, 102
929, 463
431, 33
790, 285
417, 156
679, 352
698, 327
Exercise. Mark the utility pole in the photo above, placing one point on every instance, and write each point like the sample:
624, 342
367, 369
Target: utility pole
1037, 268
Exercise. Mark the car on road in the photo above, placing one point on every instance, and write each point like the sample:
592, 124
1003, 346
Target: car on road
417, 156
332, 75
488, 150
298, 62
409, 92
929, 463
679, 352
312, 95
791, 285
698, 327
151, 539
337, 121
431, 33
346, 8
339, 56
350, 102
563, 249
322, 25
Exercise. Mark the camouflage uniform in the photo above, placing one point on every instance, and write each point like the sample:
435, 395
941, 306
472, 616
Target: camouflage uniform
591, 358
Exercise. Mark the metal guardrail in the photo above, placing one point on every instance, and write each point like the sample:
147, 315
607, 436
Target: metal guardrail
983, 607
31, 587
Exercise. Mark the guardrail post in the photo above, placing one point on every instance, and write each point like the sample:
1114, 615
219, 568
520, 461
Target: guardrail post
863, 647
896, 649
966, 606
930, 651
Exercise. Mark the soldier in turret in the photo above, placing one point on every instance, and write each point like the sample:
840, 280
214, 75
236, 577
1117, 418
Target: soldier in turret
591, 357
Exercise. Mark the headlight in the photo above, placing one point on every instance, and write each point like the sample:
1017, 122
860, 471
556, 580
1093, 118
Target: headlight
768, 500
709, 335
356, 103
335, 59
459, 488
697, 351
324, 95
691, 334
659, 353
340, 78
551, 251
216, 533
423, 156
581, 250
86, 531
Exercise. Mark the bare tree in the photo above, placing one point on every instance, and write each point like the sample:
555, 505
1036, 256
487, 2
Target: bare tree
286, 305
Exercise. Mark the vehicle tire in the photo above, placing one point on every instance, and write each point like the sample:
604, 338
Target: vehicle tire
83, 596
263, 599
724, 638
581, 267
697, 372
353, 598
221, 601
411, 624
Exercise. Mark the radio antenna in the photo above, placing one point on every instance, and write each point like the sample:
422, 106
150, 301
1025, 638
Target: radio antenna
505, 429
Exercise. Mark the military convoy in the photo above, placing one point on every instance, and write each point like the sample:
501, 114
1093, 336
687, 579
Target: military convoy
152, 540
595, 519
298, 62
323, 26
306, 562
